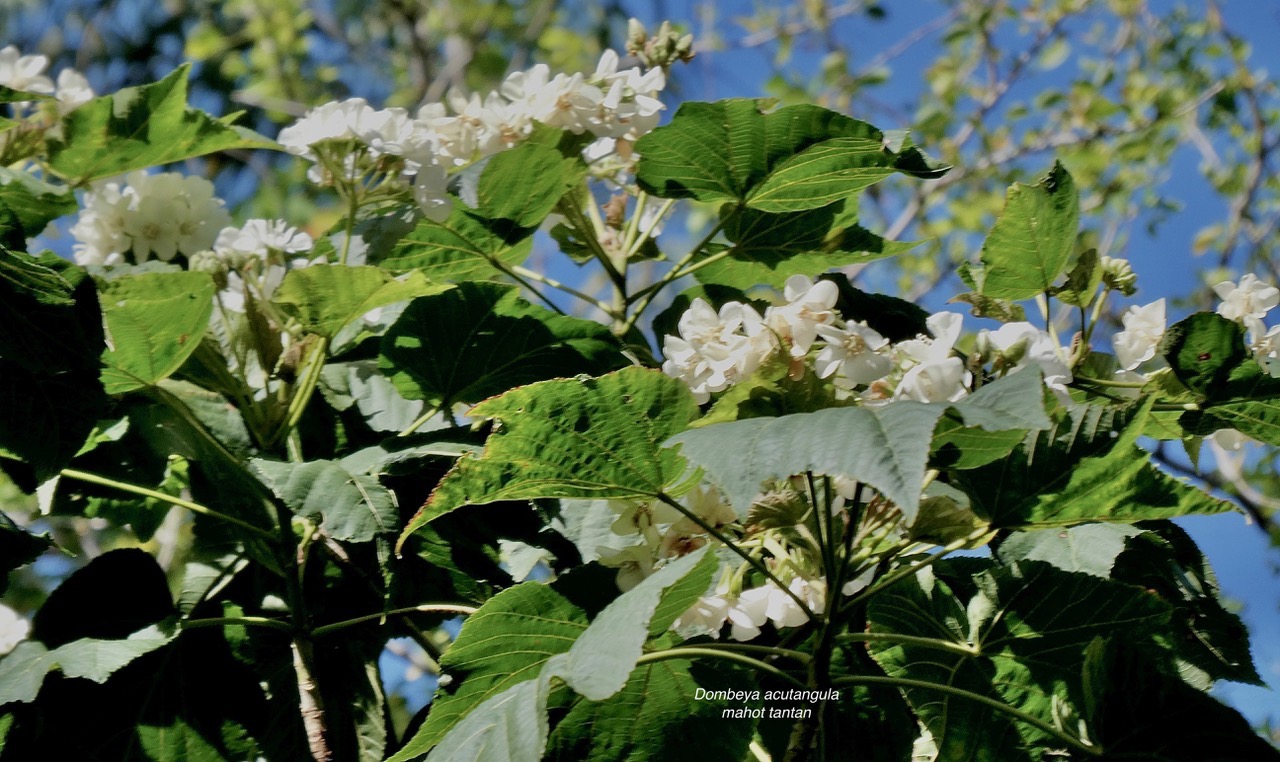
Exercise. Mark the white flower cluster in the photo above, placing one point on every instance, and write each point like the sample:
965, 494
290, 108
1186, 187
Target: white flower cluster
1248, 303
254, 256
748, 611
715, 350
162, 214
610, 104
664, 532
27, 73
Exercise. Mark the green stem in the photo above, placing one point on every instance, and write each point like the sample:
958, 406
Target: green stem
783, 653
419, 422
691, 652
1118, 384
908, 640
244, 621
645, 235
552, 282
676, 271
426, 608
900, 574
204, 510
1036, 722
305, 388
1094, 315
755, 563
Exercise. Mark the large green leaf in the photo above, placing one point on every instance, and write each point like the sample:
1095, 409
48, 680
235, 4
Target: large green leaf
537, 634
1016, 635
769, 248
140, 127
33, 201
524, 184
153, 322
503, 644
352, 507
466, 246
1086, 468
50, 391
23, 671
658, 717
479, 339
1209, 640
358, 383
887, 447
1031, 243
1207, 354
796, 158
1088, 548
1143, 713
585, 437
324, 299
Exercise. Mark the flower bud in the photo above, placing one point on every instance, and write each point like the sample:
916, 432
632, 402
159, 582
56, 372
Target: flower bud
209, 262
1117, 275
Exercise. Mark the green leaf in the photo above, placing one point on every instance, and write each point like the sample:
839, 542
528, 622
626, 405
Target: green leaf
480, 339
893, 442
352, 507
1203, 350
1088, 548
1002, 642
463, 247
1207, 354
140, 127
153, 322
34, 202
893, 318
1142, 713
658, 717
44, 419
597, 665
1032, 240
50, 313
996, 309
1086, 468
1165, 561
502, 645
584, 437
360, 384
522, 185
24, 670
9, 95
18, 547
730, 151
769, 248
324, 299
1082, 280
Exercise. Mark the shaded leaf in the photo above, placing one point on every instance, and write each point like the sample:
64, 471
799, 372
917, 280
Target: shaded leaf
523, 184
463, 247
480, 339
353, 507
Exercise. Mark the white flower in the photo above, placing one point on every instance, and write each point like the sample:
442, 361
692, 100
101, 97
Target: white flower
329, 121
1037, 347
73, 90
391, 131
1265, 344
24, 73
1251, 298
706, 503
431, 191
852, 354
715, 350
784, 611
256, 237
859, 582
633, 563
457, 139
14, 627
1143, 329
748, 613
706, 617
943, 381
934, 375
162, 214
808, 306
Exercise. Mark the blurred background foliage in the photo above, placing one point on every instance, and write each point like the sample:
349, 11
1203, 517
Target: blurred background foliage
1128, 93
